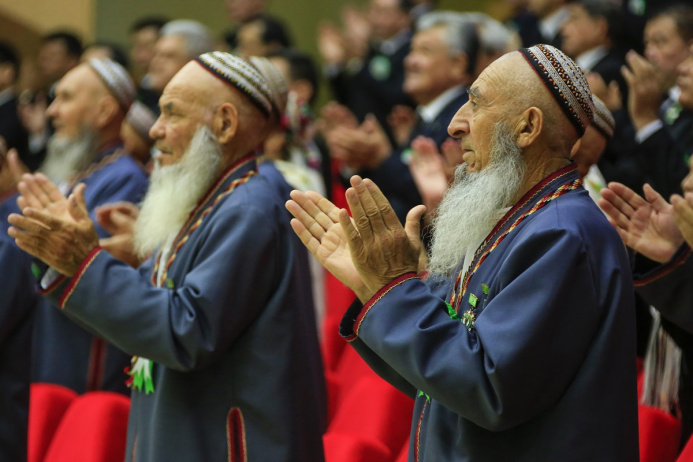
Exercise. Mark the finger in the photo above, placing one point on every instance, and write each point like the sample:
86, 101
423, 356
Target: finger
32, 192
412, 224
386, 211
313, 213
77, 205
325, 206
683, 211
628, 76
306, 237
49, 188
654, 198
362, 221
613, 206
28, 225
353, 237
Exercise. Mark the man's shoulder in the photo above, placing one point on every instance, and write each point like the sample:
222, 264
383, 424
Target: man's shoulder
575, 213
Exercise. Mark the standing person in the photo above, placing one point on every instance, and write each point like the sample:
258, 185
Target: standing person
91, 103
228, 365
520, 345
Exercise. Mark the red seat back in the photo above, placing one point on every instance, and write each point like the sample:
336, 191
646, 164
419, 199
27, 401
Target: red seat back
47, 404
93, 429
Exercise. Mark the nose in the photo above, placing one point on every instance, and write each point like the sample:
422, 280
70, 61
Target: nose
157, 130
459, 125
52, 110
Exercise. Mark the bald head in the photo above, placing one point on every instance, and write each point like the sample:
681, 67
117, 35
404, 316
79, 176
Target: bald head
195, 97
82, 101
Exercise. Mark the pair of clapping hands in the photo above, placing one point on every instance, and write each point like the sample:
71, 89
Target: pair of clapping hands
651, 225
57, 229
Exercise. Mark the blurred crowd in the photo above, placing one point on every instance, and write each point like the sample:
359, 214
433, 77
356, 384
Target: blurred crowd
396, 71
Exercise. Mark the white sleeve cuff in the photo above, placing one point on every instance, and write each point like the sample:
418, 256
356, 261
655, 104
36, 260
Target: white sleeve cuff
49, 278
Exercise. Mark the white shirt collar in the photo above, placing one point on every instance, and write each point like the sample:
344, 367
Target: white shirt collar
551, 25
590, 58
6, 95
394, 43
430, 111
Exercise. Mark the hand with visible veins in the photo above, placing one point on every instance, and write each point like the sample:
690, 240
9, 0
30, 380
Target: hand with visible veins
648, 225
381, 248
57, 231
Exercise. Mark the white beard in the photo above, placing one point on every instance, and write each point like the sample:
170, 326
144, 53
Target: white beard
472, 205
175, 190
65, 157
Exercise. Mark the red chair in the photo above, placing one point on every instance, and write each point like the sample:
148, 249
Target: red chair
93, 429
404, 453
373, 408
47, 404
659, 433
347, 448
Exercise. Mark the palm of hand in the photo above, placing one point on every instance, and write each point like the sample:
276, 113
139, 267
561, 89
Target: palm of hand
653, 233
333, 253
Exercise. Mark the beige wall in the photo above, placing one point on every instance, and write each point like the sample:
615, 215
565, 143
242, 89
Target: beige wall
45, 15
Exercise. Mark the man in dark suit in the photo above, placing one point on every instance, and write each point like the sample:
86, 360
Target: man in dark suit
11, 128
437, 70
367, 78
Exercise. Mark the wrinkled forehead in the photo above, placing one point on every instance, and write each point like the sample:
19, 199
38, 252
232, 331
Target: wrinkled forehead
501, 74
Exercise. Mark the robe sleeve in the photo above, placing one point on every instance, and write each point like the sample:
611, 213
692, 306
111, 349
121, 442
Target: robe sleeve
669, 288
233, 275
534, 333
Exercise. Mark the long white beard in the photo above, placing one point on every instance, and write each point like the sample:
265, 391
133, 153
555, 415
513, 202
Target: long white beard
175, 190
473, 204
67, 156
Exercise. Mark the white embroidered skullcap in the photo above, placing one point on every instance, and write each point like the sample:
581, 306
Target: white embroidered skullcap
116, 79
279, 88
603, 120
141, 118
241, 75
566, 82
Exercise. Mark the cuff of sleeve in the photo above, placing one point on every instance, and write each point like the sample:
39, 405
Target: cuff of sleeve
648, 130
356, 313
54, 283
677, 260
78, 276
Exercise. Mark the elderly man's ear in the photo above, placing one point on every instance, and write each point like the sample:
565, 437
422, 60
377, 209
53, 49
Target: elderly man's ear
225, 122
529, 126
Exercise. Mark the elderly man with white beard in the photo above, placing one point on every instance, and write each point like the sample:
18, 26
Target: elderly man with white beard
90, 104
520, 342
227, 364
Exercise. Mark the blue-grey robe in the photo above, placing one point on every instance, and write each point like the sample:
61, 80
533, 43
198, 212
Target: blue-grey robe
64, 352
237, 370
547, 371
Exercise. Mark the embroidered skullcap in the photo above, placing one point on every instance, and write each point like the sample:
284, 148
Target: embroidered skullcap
116, 79
277, 83
141, 118
566, 82
603, 120
241, 75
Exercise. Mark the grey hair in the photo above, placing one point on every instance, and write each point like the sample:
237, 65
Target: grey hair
494, 37
198, 38
460, 31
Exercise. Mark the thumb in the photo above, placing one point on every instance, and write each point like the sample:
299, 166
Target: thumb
122, 221
654, 198
76, 204
412, 224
